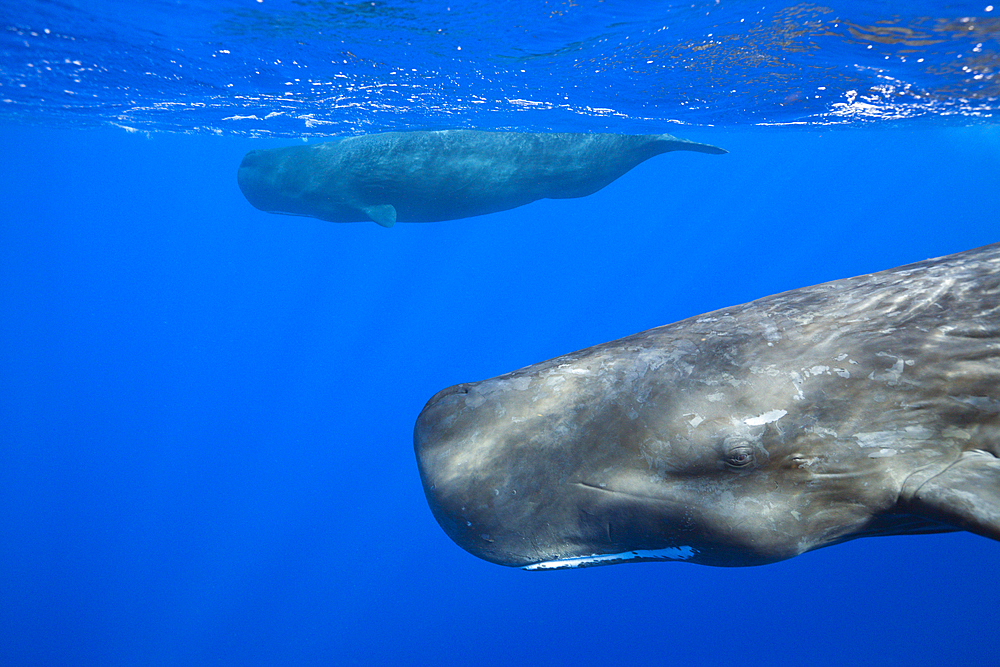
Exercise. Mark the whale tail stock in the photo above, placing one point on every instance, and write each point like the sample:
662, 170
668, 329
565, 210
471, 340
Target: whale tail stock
672, 143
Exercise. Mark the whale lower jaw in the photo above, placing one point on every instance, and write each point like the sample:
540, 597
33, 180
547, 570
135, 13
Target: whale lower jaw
669, 553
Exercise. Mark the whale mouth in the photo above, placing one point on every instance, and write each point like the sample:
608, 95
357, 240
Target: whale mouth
603, 488
681, 553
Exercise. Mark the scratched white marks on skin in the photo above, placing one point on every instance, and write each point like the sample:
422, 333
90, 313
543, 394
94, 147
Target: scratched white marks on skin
695, 420
876, 438
657, 454
882, 453
669, 553
891, 375
821, 369
889, 440
771, 333
984, 403
555, 381
844, 355
521, 383
732, 381
448, 421
797, 383
766, 418
716, 397
918, 432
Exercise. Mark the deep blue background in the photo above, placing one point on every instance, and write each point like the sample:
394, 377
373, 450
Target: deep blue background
206, 414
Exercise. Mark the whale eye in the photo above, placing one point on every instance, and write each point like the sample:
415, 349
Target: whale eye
739, 454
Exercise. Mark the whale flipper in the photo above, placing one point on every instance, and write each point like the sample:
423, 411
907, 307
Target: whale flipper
965, 495
383, 214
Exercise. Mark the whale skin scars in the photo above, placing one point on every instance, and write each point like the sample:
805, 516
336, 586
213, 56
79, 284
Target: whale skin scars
441, 175
865, 406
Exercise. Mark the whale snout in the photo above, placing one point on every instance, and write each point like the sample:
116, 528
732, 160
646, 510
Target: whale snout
439, 409
452, 391
254, 183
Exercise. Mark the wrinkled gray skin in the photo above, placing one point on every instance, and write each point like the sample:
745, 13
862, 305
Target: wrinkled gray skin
443, 175
865, 406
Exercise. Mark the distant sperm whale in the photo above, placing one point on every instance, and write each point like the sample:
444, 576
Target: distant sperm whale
443, 175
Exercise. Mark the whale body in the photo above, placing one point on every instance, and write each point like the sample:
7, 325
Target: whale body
441, 175
860, 407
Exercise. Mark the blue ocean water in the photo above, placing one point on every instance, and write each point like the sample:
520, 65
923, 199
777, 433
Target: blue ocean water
206, 414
